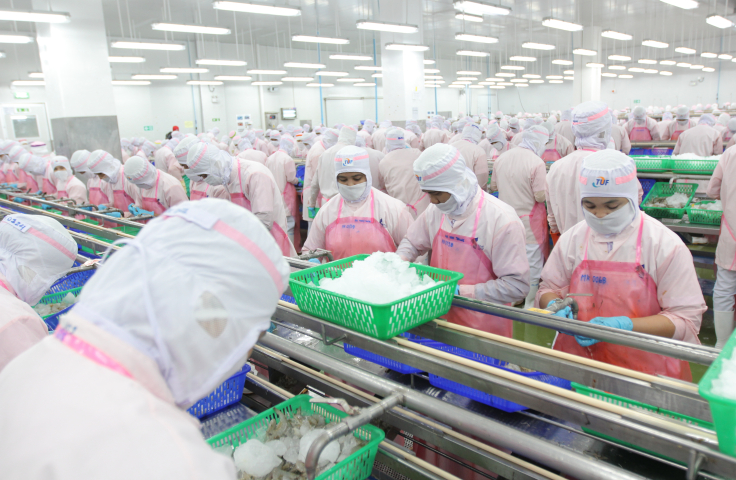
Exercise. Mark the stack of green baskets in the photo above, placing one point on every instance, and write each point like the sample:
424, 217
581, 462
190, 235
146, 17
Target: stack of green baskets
382, 321
664, 189
693, 167
357, 466
705, 217
652, 164
723, 409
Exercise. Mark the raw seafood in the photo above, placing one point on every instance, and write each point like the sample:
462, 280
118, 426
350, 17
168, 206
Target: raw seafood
677, 200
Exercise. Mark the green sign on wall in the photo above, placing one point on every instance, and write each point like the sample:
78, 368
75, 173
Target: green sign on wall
148, 128
637, 101
215, 119
21, 95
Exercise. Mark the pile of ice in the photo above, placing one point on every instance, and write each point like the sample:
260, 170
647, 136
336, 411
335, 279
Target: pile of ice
690, 156
44, 309
725, 384
279, 451
380, 278
717, 205
678, 200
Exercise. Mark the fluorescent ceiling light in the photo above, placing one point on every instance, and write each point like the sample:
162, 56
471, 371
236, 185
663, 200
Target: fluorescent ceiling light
607, 74
553, 77
265, 84
655, 44
405, 47
426, 62
568, 78
647, 61
478, 8
616, 67
519, 80
325, 73
304, 65
386, 27
504, 74
433, 77
626, 76
685, 50
315, 39
320, 84
256, 8
531, 75
684, 64
436, 70
650, 70
560, 61
377, 75
462, 82
296, 79
266, 72
584, 52
521, 85
341, 56
147, 45
454, 85
224, 63
467, 78
665, 73
569, 72
636, 69
34, 16
176, 27
709, 55
475, 38
233, 77
496, 87
686, 4
204, 82
351, 80
126, 59
518, 58
131, 82
465, 72
183, 70
374, 68
706, 69
493, 79
719, 21
35, 75
667, 62
594, 65
537, 46
536, 81
145, 76
725, 56
28, 83
556, 81
468, 17
512, 67
472, 53
15, 39
697, 67
621, 58
616, 35
561, 25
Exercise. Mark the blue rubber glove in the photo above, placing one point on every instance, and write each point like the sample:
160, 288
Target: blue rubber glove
18, 200
4, 184
112, 214
46, 207
312, 212
133, 209
89, 209
145, 212
315, 260
14, 185
101, 208
457, 289
623, 323
39, 192
564, 313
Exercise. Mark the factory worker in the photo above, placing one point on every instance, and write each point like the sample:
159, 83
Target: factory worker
722, 187
324, 143
434, 134
519, 176
283, 168
378, 137
664, 125
125, 149
557, 146
397, 171
497, 138
198, 188
564, 128
307, 128
249, 184
702, 140
31, 172
80, 165
528, 123
133, 367
259, 142
475, 157
247, 152
367, 131
640, 274
275, 138
165, 160
722, 123
413, 134
159, 191
35, 251
67, 185
682, 122
514, 127
471, 232
10, 168
729, 139
360, 219
147, 149
110, 170
641, 128
621, 141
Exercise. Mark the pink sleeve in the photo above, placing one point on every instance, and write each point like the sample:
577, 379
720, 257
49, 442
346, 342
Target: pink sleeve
550, 214
567, 150
718, 146
18, 335
135, 193
481, 169
260, 187
77, 192
627, 127
680, 295
626, 143
558, 269
175, 194
666, 135
417, 240
653, 129
403, 222
290, 171
539, 178
714, 186
731, 142
316, 237
676, 151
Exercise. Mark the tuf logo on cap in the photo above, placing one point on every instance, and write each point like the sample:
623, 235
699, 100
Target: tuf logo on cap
347, 162
418, 177
600, 182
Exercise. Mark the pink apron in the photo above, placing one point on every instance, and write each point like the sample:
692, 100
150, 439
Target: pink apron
350, 236
451, 251
618, 289
538, 224
3, 178
10, 176
98, 197
413, 207
121, 199
640, 134
152, 204
678, 131
551, 154
198, 194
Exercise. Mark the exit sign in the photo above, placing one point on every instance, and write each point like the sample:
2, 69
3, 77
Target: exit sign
22, 110
637, 101
148, 128
21, 95
215, 119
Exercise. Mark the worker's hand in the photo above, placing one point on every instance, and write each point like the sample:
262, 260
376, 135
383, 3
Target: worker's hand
14, 185
46, 207
312, 212
101, 208
145, 212
18, 200
133, 209
623, 323
39, 192
112, 214
88, 208
564, 313
315, 260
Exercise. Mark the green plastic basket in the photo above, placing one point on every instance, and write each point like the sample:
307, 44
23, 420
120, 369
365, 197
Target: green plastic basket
664, 189
635, 405
705, 217
652, 164
698, 167
309, 213
723, 409
357, 466
381, 321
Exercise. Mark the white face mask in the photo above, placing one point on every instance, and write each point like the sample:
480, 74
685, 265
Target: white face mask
683, 122
351, 193
448, 207
61, 175
613, 223
212, 180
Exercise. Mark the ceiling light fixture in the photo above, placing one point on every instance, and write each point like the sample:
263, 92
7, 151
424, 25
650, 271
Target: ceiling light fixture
467, 37
325, 73
341, 56
386, 27
594, 65
684, 64
351, 80
556, 81
537, 46
665, 73
610, 75
303, 65
28, 83
684, 4
518, 58
466, 72
147, 45
504, 74
126, 59
224, 63
131, 82
436, 70
626, 76
496, 87
506, 84
667, 62
718, 21
536, 81
146, 76
462, 82
468, 18
636, 69
647, 61
708, 69
561, 25
477, 86
373, 68
616, 67
709, 55
241, 78
650, 70
553, 77
467, 78
697, 67
35, 75
183, 70
616, 35
267, 84
519, 80
176, 27
584, 51
655, 44
429, 62
569, 72
477, 8
433, 77
512, 67
531, 75
472, 53
204, 82
316, 39
621, 58
364, 84
256, 8
15, 39
560, 61
486, 83
455, 85
34, 16
725, 56
266, 72
405, 47
685, 50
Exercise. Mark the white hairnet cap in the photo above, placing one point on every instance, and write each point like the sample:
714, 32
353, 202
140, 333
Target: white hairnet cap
200, 326
667, 116
386, 123
494, 134
24, 160
79, 160
707, 119
35, 251
609, 173
534, 138
395, 139
36, 165
354, 159
591, 125
566, 114
513, 122
441, 168
682, 113
7, 146
529, 123
639, 112
61, 161
182, 149
347, 135
244, 144
140, 172
101, 161
723, 118
207, 159
287, 144
472, 133
329, 139
732, 125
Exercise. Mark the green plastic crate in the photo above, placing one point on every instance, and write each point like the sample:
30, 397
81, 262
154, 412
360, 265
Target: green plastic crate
697, 167
635, 405
357, 466
723, 409
652, 164
705, 217
664, 189
381, 321
309, 213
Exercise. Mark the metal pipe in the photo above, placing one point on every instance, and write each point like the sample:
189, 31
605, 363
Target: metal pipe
526, 445
347, 425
